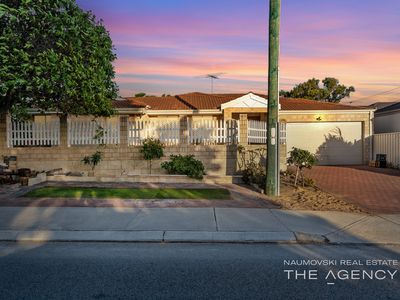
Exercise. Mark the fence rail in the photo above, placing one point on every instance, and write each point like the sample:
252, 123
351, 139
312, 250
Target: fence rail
257, 132
167, 132
93, 132
389, 144
213, 132
33, 134
84, 131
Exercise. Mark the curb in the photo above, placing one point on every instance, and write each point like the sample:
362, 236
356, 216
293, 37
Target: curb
44, 236
286, 237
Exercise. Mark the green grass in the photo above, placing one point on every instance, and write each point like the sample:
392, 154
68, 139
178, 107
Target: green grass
123, 193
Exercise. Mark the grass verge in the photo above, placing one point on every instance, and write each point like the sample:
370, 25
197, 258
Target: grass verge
124, 193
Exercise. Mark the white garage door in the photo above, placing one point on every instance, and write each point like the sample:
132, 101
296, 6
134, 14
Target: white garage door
335, 143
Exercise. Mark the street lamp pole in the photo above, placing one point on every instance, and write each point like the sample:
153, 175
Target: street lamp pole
272, 184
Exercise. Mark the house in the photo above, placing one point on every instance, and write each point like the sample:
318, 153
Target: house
338, 134
387, 117
209, 126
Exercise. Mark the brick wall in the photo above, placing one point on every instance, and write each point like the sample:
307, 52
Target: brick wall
117, 160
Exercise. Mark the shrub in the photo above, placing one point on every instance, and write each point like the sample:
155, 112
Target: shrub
252, 166
152, 149
184, 165
253, 175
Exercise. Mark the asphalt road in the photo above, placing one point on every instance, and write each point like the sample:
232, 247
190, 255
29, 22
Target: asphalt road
189, 271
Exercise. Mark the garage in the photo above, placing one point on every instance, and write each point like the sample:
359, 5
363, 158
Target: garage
334, 143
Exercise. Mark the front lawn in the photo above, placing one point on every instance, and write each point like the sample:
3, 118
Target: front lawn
124, 193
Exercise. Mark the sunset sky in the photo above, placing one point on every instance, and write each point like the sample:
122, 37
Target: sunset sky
164, 46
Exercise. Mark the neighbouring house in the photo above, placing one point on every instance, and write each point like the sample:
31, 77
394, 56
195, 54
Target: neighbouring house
209, 126
387, 117
387, 132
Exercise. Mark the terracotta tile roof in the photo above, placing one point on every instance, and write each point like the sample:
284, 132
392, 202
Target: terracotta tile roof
126, 104
153, 103
305, 104
207, 101
198, 101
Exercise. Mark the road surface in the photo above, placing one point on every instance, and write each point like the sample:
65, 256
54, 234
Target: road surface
193, 271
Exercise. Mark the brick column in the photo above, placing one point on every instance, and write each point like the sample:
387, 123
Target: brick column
243, 139
123, 131
183, 130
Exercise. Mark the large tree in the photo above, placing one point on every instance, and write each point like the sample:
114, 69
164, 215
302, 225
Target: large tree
330, 91
54, 56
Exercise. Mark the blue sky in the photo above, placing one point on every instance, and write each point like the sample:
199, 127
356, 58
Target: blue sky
164, 46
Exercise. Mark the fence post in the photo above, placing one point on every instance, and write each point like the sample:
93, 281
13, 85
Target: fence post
243, 135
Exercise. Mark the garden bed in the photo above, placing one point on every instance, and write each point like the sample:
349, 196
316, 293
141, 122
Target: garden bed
312, 198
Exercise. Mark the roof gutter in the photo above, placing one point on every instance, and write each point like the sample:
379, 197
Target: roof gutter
184, 112
127, 111
386, 113
337, 112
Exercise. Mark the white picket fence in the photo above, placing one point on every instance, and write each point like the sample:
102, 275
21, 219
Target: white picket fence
166, 131
213, 131
93, 132
84, 131
282, 133
33, 134
257, 132
389, 144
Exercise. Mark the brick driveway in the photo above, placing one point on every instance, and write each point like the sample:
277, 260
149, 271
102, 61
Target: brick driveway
376, 190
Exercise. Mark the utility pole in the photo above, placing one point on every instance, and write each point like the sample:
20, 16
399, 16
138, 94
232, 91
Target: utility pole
272, 184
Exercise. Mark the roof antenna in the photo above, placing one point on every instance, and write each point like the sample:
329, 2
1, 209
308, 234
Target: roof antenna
212, 77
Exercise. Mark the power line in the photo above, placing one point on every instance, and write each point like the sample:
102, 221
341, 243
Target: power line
378, 94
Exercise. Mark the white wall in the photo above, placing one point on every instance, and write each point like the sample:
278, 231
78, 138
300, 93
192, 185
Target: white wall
387, 123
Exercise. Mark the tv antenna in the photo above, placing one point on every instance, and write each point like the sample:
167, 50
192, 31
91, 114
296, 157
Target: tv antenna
212, 77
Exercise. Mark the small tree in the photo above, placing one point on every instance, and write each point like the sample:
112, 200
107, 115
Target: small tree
301, 159
152, 149
93, 160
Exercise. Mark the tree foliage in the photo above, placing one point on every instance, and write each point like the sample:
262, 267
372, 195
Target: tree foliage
301, 159
331, 90
152, 149
54, 56
140, 95
93, 160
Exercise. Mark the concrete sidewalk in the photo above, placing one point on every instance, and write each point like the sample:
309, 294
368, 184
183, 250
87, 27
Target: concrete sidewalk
47, 224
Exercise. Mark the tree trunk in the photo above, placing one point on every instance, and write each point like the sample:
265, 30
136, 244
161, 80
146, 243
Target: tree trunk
297, 176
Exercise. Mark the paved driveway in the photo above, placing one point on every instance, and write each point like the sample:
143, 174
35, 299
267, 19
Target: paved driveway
377, 190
